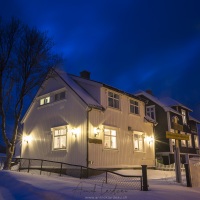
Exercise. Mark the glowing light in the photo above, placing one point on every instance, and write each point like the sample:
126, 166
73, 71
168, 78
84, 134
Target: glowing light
96, 131
75, 131
27, 138
150, 139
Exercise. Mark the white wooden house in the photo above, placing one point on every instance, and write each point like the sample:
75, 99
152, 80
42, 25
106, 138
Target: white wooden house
79, 121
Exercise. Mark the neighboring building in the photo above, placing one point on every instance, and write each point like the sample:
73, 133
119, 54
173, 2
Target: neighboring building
172, 116
79, 121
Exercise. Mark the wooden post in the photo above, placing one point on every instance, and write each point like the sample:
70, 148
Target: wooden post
187, 173
177, 158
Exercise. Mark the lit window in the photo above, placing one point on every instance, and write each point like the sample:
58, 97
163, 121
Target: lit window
189, 142
60, 96
110, 139
183, 142
134, 107
138, 141
150, 111
113, 100
59, 138
196, 141
184, 116
173, 140
44, 101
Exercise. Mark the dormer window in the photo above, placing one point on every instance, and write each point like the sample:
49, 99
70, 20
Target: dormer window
45, 100
113, 100
183, 112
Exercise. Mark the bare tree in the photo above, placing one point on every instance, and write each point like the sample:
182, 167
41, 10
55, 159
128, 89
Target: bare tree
25, 60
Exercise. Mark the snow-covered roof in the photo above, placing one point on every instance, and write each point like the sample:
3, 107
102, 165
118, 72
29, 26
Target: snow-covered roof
149, 119
85, 97
171, 102
83, 94
166, 103
193, 119
97, 83
157, 101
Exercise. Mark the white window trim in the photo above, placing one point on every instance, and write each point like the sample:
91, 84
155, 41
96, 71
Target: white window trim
197, 139
152, 106
52, 98
53, 129
185, 145
59, 93
47, 100
113, 98
190, 139
184, 119
117, 132
134, 107
142, 134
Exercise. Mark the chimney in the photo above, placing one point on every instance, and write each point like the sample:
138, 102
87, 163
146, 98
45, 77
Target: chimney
85, 74
149, 92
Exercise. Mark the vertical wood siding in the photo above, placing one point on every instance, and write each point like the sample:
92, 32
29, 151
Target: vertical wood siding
72, 112
124, 155
41, 119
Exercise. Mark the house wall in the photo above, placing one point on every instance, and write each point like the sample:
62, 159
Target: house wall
124, 155
38, 123
161, 142
190, 127
163, 146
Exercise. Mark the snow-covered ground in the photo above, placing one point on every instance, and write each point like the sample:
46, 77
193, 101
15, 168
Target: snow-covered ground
27, 186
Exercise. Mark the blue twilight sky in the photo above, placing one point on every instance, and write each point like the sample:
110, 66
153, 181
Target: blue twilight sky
129, 44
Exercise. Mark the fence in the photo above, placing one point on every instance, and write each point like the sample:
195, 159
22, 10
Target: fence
170, 167
52, 168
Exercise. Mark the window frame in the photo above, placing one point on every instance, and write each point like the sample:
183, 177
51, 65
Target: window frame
54, 129
141, 136
59, 97
115, 101
189, 142
154, 111
184, 119
134, 106
196, 141
46, 100
183, 142
110, 137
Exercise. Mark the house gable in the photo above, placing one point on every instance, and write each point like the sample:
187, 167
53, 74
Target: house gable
58, 81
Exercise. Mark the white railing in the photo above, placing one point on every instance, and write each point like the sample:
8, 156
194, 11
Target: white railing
170, 167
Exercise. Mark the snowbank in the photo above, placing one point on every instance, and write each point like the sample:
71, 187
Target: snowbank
26, 186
